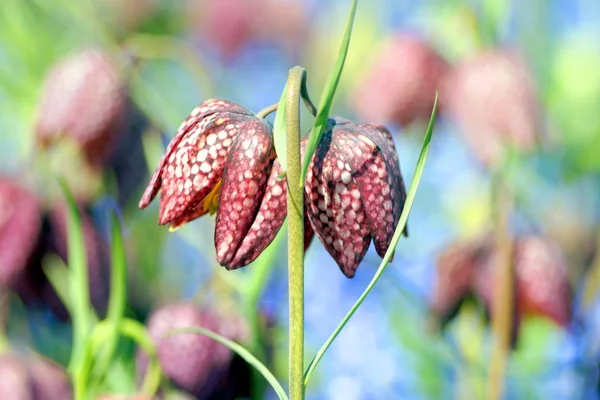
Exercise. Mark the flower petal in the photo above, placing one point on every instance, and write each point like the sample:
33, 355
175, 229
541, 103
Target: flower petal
336, 213
373, 184
196, 165
244, 184
382, 182
268, 221
203, 110
270, 218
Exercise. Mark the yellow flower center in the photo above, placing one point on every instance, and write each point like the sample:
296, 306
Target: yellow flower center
208, 205
211, 201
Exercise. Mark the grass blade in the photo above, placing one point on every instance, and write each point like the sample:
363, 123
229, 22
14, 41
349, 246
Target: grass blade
116, 302
242, 352
279, 131
105, 330
327, 95
139, 334
384, 263
78, 279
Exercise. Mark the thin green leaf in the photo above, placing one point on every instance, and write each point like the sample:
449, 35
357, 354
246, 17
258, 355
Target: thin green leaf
57, 274
279, 132
388, 255
117, 300
136, 331
133, 329
78, 282
242, 352
327, 95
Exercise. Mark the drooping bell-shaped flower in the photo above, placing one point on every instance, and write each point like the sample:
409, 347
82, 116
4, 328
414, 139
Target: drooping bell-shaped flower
29, 376
193, 362
541, 285
83, 98
493, 98
400, 83
223, 158
20, 223
455, 268
354, 192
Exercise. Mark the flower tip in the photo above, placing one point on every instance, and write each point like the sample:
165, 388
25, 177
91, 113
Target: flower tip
349, 273
165, 218
147, 197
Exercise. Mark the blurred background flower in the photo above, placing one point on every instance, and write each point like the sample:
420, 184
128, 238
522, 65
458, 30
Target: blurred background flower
93, 91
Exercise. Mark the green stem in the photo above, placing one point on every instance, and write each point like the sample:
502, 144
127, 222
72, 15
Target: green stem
503, 293
261, 270
295, 211
305, 97
267, 110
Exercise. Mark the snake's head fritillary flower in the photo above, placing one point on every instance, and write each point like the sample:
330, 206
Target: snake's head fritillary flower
354, 191
542, 280
83, 98
222, 159
29, 376
15, 380
455, 268
221, 155
493, 98
400, 84
193, 362
49, 381
20, 224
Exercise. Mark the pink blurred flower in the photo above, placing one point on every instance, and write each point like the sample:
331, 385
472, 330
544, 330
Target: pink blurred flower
31, 377
194, 362
541, 282
493, 98
229, 25
20, 224
83, 98
400, 83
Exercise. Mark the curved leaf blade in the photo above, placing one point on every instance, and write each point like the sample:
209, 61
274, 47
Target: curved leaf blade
328, 94
242, 352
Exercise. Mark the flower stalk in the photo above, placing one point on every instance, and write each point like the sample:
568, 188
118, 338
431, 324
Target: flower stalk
295, 206
503, 291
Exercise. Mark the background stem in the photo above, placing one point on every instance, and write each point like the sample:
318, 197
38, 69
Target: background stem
295, 211
503, 290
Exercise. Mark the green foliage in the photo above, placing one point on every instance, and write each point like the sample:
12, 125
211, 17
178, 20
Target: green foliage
78, 280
